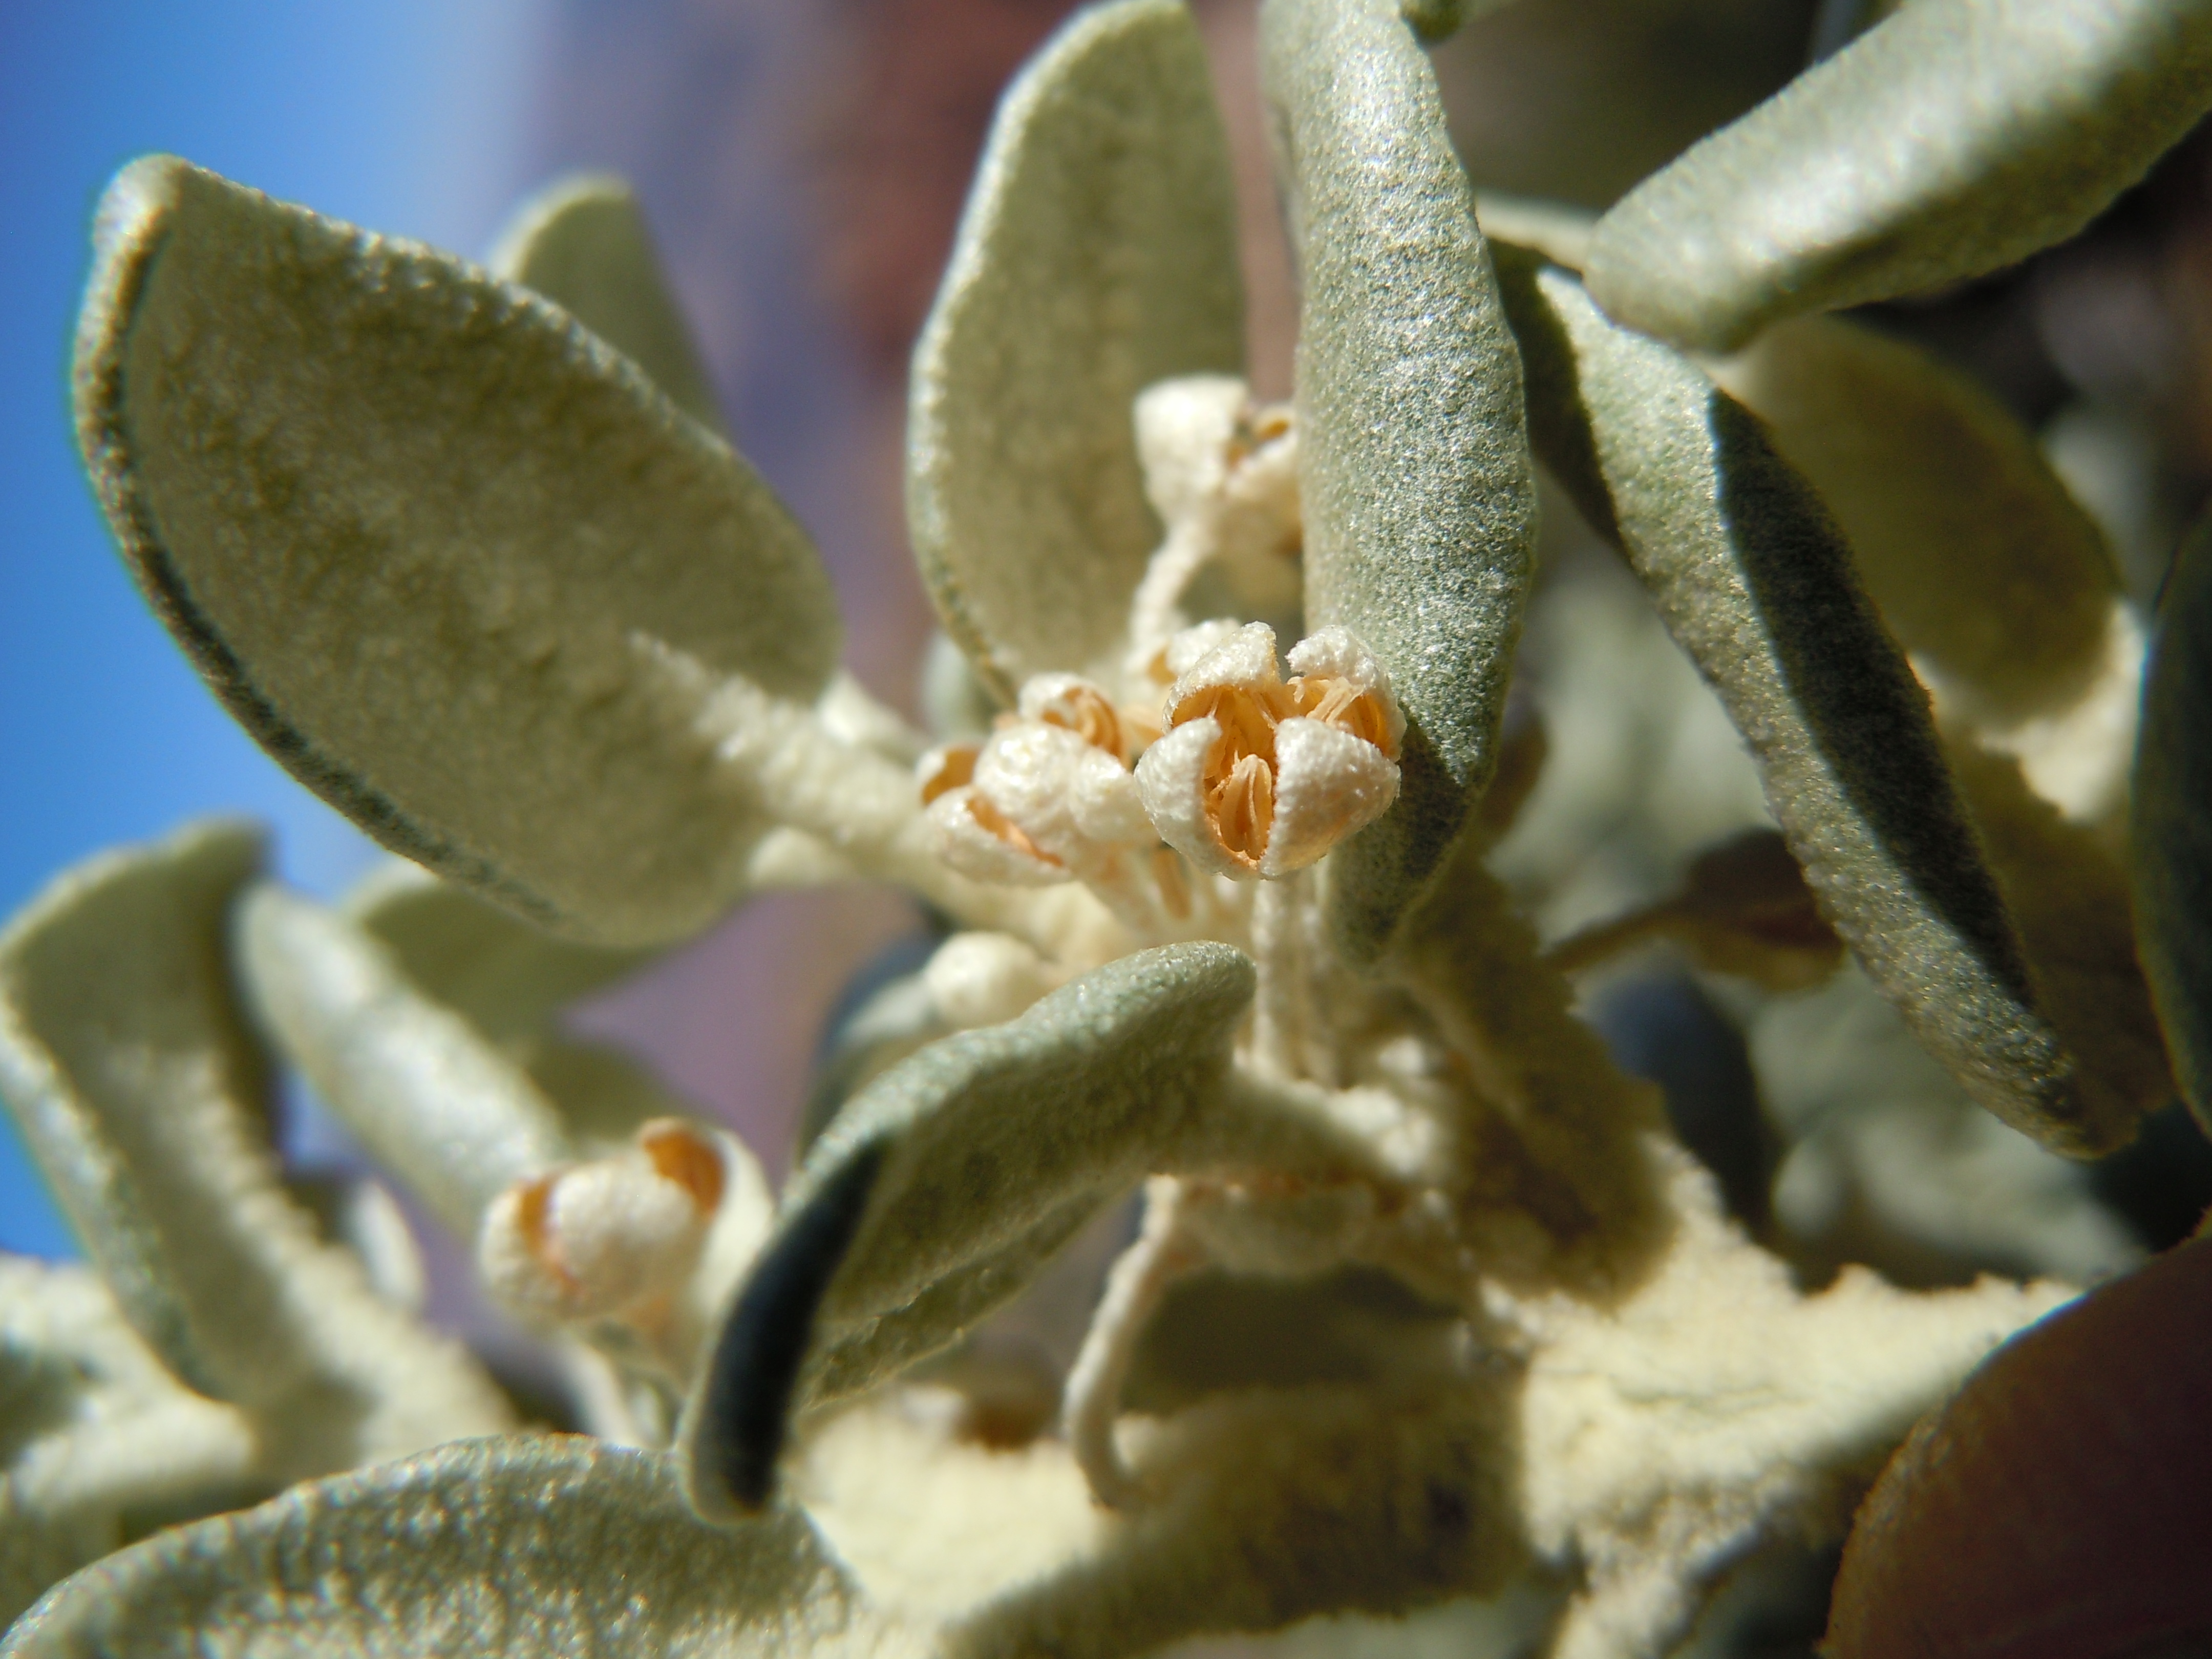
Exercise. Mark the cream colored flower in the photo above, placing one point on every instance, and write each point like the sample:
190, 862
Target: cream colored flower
1260, 777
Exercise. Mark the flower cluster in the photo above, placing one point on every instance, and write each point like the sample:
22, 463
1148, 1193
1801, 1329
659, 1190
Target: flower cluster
1429, 1309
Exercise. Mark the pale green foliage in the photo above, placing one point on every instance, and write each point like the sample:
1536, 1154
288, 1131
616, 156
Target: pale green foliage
583, 244
95, 1437
1420, 508
2171, 830
1952, 138
941, 1189
430, 1097
1756, 585
468, 553
519, 1547
130, 1070
362, 436
1097, 256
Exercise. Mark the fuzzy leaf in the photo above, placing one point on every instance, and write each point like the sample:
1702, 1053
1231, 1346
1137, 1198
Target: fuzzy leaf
1754, 582
1097, 255
419, 530
1954, 137
2069, 898
1420, 497
92, 1430
438, 1103
505, 976
943, 1187
2170, 827
1980, 562
139, 1090
517, 1547
583, 244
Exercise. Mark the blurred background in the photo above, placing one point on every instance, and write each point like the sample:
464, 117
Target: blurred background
803, 162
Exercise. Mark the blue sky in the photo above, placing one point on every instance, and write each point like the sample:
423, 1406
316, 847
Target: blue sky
407, 115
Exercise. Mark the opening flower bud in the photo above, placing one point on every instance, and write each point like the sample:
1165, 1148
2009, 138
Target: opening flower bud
1258, 777
617, 1236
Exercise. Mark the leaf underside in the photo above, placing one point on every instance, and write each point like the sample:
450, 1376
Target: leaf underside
943, 1186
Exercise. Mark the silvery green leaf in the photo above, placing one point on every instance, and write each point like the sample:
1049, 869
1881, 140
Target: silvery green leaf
2170, 823
431, 1097
94, 1430
523, 1546
2069, 897
1951, 138
419, 529
139, 1089
582, 243
1414, 464
505, 976
943, 1186
1979, 559
1754, 582
1097, 255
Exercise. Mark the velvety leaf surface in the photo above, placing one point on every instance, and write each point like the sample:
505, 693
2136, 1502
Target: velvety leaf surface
504, 976
552, 1544
942, 1187
2170, 827
583, 244
94, 1430
1978, 558
1754, 582
125, 1058
436, 1101
421, 531
1952, 138
1097, 255
1414, 469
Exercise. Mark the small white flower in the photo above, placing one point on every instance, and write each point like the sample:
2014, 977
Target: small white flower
616, 1237
1257, 777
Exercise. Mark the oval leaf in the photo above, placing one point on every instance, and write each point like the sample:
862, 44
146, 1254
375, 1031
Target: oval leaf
945, 1184
2170, 825
1754, 582
583, 244
434, 1100
140, 1091
520, 1547
419, 530
1951, 138
1979, 561
1414, 464
1097, 255
505, 976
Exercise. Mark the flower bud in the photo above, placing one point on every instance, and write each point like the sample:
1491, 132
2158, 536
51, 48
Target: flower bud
1256, 777
616, 1236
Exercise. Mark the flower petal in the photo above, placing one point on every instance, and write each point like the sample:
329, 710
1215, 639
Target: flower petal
525, 1546
1328, 785
1097, 255
421, 532
1755, 583
129, 1068
1948, 140
582, 243
1420, 495
943, 1186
